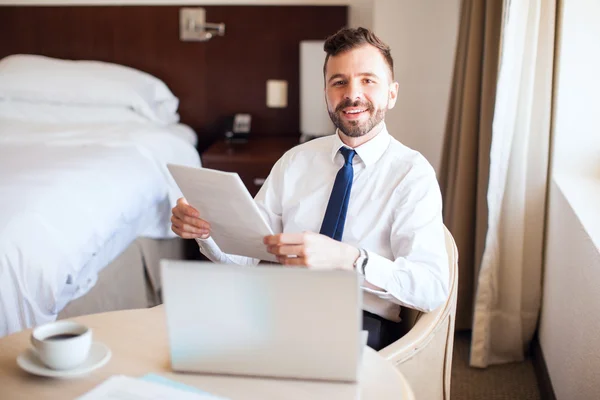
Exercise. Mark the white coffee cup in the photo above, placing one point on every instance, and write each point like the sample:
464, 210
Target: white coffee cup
62, 345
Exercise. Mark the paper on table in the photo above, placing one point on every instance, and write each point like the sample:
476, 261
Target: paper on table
237, 225
120, 387
178, 385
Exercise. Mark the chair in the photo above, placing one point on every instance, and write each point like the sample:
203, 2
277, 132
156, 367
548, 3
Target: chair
424, 353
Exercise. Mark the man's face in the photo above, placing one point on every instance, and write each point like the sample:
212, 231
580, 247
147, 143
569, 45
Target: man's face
358, 90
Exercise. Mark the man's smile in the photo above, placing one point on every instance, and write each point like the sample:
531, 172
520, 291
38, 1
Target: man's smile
354, 113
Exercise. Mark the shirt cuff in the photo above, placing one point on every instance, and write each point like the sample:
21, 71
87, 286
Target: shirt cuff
380, 272
210, 249
213, 252
399, 281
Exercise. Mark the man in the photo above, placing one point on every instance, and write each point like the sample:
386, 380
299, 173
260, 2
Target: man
375, 202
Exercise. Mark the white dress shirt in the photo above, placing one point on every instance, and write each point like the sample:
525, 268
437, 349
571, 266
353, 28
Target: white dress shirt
394, 213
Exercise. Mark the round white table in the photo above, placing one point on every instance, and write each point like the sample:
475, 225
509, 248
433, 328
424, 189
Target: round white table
138, 340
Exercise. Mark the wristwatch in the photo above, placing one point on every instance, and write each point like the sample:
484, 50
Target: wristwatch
361, 261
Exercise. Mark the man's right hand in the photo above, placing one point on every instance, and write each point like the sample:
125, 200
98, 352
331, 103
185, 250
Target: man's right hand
186, 221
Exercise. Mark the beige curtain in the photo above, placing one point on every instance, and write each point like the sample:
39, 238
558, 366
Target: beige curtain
509, 282
465, 159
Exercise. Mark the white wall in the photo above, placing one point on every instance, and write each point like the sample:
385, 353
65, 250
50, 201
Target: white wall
359, 13
422, 35
570, 322
570, 318
577, 124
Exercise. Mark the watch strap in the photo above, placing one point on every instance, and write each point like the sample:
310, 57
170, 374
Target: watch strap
361, 261
364, 263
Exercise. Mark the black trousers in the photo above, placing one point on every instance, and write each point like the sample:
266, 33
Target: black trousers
382, 332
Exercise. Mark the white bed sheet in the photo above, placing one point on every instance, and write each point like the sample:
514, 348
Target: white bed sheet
80, 285
65, 191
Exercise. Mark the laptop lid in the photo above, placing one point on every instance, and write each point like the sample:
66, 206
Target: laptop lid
263, 321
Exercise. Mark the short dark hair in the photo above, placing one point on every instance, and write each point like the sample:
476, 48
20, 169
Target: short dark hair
349, 38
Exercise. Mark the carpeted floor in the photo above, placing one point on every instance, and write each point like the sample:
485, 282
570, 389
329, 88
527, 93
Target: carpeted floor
515, 381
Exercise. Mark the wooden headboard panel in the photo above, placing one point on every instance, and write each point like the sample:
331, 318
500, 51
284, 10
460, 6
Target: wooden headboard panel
212, 79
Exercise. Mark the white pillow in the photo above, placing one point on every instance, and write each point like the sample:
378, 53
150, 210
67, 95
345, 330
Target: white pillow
53, 113
39, 79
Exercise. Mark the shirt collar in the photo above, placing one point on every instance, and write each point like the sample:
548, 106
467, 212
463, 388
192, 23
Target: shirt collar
368, 152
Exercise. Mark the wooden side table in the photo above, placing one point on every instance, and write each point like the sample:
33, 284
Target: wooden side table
252, 161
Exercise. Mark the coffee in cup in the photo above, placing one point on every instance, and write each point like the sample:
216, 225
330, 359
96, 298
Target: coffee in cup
62, 345
62, 336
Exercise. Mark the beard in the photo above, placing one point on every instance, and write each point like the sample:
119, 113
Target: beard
356, 128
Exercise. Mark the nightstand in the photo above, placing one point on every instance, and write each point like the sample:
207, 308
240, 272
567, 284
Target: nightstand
252, 161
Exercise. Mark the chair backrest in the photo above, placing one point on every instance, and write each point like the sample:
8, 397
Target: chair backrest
437, 328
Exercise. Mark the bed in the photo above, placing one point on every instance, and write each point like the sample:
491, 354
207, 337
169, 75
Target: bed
85, 196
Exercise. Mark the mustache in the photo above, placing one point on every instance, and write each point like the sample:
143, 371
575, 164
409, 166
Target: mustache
349, 103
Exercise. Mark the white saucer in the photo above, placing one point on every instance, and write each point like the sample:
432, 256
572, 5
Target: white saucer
98, 356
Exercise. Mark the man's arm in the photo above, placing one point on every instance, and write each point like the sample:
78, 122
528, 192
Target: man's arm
418, 277
311, 249
213, 252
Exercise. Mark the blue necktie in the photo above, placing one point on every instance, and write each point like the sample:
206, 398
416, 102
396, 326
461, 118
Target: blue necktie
335, 215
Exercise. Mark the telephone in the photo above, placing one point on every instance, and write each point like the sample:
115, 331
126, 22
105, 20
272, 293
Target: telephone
237, 128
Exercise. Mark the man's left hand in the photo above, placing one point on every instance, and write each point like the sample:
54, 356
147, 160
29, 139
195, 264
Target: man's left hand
311, 250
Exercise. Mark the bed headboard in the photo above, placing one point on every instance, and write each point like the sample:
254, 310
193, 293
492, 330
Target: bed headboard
213, 79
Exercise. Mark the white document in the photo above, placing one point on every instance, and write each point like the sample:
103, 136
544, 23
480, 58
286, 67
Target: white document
122, 387
236, 223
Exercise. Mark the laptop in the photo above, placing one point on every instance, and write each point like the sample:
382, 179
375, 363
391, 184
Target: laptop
267, 321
